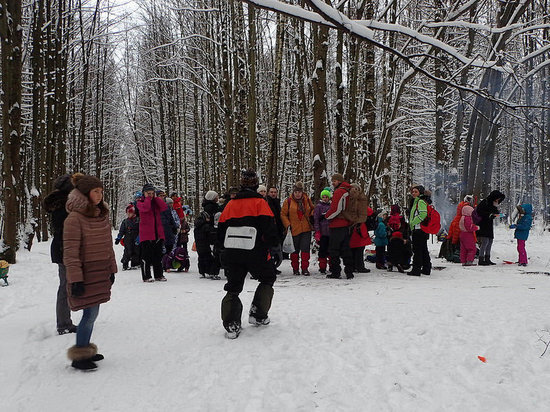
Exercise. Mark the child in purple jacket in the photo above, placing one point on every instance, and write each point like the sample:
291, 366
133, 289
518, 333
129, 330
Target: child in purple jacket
320, 224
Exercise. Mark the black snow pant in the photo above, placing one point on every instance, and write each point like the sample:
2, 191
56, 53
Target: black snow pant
209, 261
151, 255
398, 253
236, 270
421, 258
339, 247
131, 253
358, 254
380, 255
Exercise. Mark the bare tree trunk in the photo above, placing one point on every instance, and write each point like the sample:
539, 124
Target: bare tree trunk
252, 86
271, 172
11, 33
320, 48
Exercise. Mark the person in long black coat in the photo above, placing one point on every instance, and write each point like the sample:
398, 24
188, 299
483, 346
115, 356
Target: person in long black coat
205, 236
487, 210
54, 204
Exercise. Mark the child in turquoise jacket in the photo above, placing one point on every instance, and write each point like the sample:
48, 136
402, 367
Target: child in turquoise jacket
523, 226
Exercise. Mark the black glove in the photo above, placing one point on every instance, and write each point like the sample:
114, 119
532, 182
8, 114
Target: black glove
117, 241
77, 288
112, 278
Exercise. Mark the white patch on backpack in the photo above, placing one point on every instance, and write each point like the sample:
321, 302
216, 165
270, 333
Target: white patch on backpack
240, 237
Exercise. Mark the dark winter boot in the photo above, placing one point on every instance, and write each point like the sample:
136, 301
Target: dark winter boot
483, 261
295, 262
413, 273
98, 356
84, 365
82, 356
233, 330
323, 265
488, 260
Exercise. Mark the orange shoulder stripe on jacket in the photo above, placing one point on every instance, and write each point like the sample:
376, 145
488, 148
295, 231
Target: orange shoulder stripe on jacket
238, 208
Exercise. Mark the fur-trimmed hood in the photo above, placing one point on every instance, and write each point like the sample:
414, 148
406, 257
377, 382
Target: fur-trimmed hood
78, 202
55, 200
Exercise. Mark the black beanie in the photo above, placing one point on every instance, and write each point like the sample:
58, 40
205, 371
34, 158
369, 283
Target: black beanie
249, 179
420, 188
147, 187
63, 183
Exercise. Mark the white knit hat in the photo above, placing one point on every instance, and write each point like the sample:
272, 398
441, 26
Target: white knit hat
469, 199
210, 195
262, 188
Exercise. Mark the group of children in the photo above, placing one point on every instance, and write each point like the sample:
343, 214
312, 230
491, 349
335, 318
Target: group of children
467, 227
176, 229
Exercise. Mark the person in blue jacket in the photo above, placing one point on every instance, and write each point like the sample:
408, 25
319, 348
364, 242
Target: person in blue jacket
381, 240
523, 226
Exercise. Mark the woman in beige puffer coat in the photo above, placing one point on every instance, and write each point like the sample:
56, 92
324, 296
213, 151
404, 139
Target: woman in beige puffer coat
89, 258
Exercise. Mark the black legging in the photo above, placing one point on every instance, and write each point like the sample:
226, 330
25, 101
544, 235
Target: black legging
421, 257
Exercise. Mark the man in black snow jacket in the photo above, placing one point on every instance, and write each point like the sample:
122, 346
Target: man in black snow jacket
487, 210
247, 231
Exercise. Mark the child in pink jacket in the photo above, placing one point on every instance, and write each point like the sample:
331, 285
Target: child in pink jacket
467, 239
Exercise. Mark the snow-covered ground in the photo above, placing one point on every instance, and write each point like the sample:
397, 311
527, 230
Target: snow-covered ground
381, 342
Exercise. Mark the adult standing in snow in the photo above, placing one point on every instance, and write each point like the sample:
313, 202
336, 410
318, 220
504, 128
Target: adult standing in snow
487, 211
339, 229
357, 213
418, 213
247, 231
170, 224
296, 214
151, 233
55, 203
205, 236
90, 261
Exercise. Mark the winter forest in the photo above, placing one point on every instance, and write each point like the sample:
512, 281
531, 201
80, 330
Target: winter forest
454, 95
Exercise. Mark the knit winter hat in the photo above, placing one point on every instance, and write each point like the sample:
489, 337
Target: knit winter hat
395, 210
262, 188
338, 176
469, 199
86, 183
420, 188
169, 201
63, 183
326, 192
298, 187
249, 179
147, 187
130, 209
211, 195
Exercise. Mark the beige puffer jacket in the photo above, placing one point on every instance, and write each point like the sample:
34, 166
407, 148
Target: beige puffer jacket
88, 251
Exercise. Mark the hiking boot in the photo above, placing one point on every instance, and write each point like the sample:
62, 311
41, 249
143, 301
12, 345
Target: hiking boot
483, 261
149, 280
305, 272
349, 276
161, 279
70, 329
296, 273
258, 322
489, 262
84, 364
233, 330
413, 273
400, 269
334, 276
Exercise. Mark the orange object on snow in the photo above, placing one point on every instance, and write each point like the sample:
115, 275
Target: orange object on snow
482, 359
